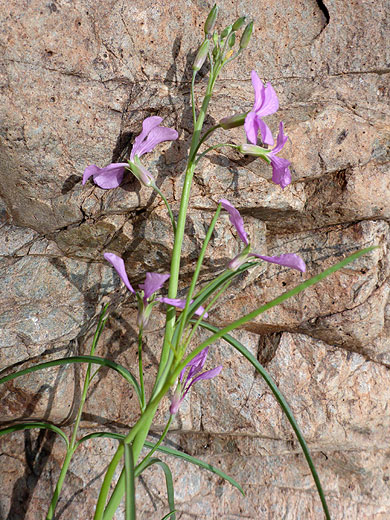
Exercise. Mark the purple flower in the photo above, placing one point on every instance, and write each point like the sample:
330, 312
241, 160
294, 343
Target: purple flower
112, 175
153, 282
266, 103
194, 366
287, 260
280, 167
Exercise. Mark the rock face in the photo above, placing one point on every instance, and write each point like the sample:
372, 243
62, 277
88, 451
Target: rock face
77, 79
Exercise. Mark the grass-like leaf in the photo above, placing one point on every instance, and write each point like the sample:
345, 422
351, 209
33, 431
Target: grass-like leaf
170, 451
32, 425
283, 404
168, 515
197, 462
168, 481
78, 359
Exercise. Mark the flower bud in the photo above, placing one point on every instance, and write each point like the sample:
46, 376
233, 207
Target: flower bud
210, 20
239, 23
226, 31
246, 36
255, 151
232, 40
233, 121
201, 56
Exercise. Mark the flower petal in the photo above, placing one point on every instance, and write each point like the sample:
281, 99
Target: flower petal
119, 267
209, 374
270, 102
181, 303
197, 363
287, 260
153, 282
280, 171
109, 177
280, 140
251, 127
156, 136
235, 219
258, 87
266, 134
148, 124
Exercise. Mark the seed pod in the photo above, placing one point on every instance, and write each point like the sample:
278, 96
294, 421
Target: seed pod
239, 23
246, 36
201, 56
210, 20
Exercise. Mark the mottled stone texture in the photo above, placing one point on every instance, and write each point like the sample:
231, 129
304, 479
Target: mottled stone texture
77, 79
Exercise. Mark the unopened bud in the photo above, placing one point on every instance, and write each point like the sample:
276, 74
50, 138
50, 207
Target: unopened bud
233, 121
201, 56
232, 40
226, 31
239, 23
246, 36
210, 20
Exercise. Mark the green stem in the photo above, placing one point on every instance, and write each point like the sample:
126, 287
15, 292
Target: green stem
167, 206
130, 509
143, 463
207, 134
140, 368
220, 145
196, 274
176, 253
193, 96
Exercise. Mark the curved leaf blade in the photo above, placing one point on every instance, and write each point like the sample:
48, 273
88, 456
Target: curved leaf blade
197, 462
36, 424
168, 481
283, 404
78, 359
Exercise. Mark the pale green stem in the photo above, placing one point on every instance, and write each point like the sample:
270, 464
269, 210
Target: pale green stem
176, 254
130, 509
172, 218
141, 372
140, 430
220, 145
155, 447
193, 96
196, 274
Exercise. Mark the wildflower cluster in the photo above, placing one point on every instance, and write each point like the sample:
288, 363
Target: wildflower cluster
182, 358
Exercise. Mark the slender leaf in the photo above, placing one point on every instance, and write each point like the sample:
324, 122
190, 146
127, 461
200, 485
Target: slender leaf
168, 515
283, 404
171, 451
197, 462
130, 512
168, 481
32, 425
79, 359
99, 435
